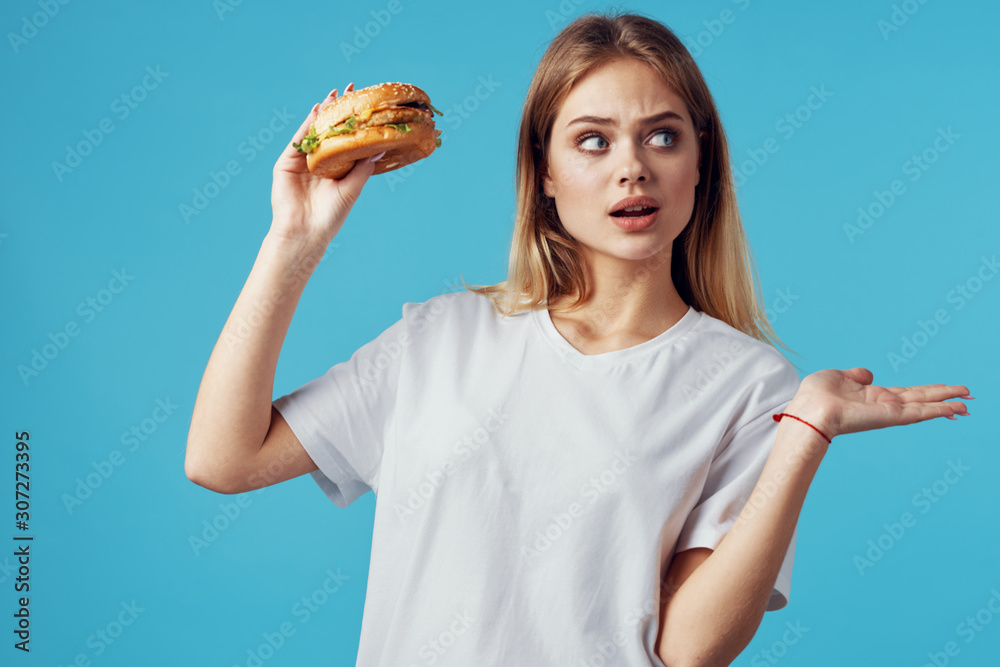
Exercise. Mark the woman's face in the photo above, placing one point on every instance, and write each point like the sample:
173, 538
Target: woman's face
621, 134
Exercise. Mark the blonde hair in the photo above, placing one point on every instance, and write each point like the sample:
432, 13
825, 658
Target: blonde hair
712, 267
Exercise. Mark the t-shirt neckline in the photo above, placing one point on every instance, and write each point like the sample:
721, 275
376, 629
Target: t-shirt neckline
582, 361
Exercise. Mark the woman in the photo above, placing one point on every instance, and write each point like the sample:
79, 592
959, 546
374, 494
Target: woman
586, 464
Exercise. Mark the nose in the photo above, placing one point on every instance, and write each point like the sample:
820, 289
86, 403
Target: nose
631, 167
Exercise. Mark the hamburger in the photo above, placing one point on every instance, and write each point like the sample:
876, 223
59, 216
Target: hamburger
393, 117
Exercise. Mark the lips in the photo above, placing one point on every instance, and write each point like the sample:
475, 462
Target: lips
635, 207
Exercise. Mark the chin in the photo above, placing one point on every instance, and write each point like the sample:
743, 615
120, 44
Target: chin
653, 250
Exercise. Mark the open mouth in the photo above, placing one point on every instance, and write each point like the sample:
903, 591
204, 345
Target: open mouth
634, 212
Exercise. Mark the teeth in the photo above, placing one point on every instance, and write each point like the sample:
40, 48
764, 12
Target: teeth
632, 209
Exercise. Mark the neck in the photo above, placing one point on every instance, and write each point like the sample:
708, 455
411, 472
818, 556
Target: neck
634, 298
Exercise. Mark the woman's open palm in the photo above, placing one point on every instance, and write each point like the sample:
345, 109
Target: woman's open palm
849, 402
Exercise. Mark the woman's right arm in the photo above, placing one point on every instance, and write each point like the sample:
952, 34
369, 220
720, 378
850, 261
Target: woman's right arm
237, 441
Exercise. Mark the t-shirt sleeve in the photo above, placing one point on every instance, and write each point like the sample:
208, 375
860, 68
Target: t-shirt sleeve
345, 418
735, 470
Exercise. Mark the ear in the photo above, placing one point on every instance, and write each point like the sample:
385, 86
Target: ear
547, 185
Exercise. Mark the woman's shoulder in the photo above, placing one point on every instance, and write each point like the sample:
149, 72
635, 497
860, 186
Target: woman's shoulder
453, 301
724, 344
458, 308
727, 361
459, 301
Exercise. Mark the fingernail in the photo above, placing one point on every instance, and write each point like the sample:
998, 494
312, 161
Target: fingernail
332, 93
376, 158
951, 417
967, 396
962, 414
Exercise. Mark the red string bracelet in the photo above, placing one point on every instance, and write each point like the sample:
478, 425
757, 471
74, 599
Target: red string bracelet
778, 417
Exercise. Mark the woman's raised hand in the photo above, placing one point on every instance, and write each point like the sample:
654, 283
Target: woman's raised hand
838, 402
306, 206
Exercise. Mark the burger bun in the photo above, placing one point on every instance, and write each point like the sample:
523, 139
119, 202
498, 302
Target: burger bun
335, 157
377, 107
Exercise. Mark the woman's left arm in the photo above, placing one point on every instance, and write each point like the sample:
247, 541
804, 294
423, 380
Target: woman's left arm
714, 613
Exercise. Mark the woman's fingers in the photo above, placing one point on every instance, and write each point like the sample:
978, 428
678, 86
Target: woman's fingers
333, 95
883, 415
304, 127
923, 410
303, 130
929, 393
860, 375
290, 152
328, 99
934, 410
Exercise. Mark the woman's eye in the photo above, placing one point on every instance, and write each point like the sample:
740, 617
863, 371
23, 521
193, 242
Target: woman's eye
663, 138
593, 143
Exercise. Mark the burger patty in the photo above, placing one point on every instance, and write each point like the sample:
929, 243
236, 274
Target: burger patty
391, 115
394, 116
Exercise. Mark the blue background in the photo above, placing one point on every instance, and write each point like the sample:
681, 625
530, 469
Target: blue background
225, 68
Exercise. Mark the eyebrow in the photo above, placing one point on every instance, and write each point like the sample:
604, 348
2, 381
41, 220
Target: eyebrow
597, 120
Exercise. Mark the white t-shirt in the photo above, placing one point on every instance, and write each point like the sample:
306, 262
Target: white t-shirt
529, 497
